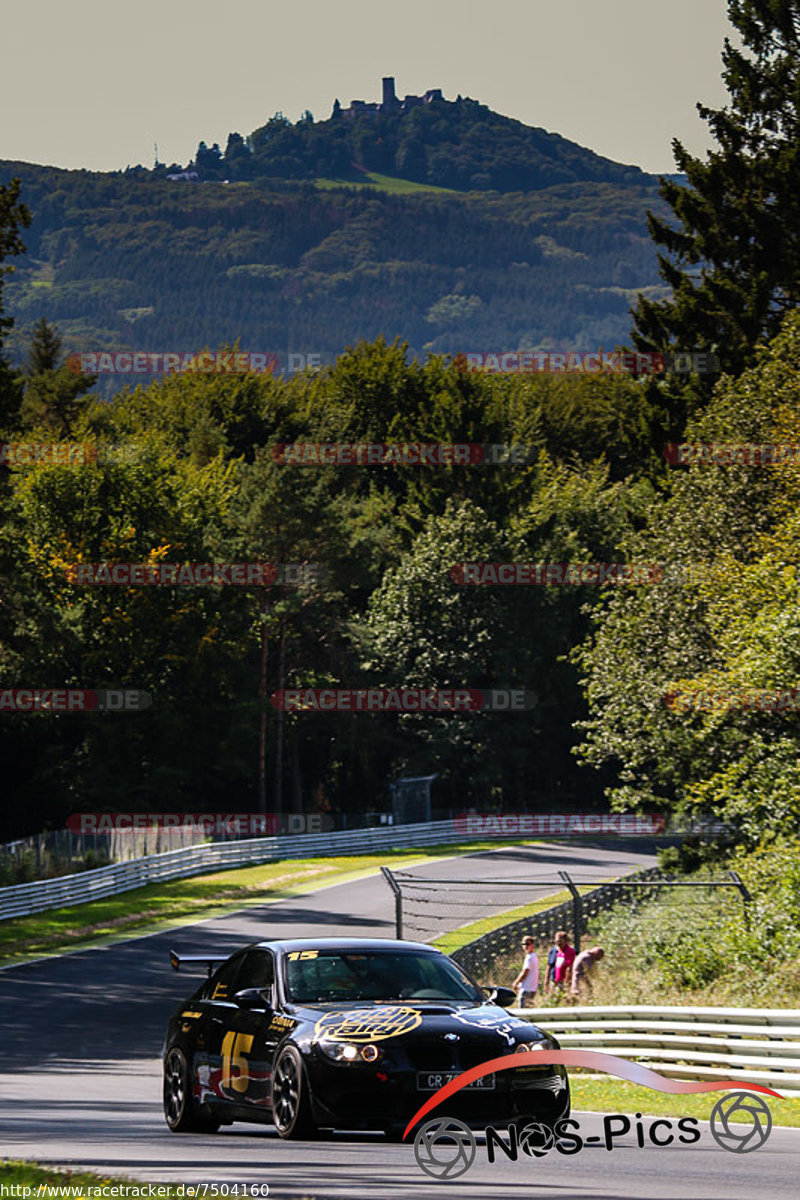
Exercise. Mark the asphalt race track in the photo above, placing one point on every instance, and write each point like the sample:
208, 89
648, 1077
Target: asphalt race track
81, 1036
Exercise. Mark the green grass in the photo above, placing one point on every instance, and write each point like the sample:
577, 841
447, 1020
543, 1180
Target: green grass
386, 183
182, 901
611, 1095
18, 1174
449, 942
468, 933
27, 1174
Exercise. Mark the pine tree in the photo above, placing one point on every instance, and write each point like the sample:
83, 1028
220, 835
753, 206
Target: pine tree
45, 348
13, 217
738, 220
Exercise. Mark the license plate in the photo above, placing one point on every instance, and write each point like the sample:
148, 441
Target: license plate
431, 1081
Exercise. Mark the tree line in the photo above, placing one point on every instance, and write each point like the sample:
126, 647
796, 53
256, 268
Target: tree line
616, 669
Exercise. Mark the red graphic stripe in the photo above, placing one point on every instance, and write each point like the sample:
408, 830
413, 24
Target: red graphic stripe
609, 1064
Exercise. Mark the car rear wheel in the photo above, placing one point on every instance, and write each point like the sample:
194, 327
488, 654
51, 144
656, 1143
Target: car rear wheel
291, 1103
179, 1109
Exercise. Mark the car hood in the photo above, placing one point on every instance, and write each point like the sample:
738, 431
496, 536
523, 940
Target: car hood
370, 1022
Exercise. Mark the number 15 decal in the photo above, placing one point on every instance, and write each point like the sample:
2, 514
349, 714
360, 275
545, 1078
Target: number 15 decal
234, 1048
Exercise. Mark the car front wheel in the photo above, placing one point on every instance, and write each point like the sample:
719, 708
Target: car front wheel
291, 1103
179, 1110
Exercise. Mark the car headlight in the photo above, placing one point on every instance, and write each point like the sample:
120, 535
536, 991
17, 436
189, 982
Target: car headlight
348, 1052
527, 1047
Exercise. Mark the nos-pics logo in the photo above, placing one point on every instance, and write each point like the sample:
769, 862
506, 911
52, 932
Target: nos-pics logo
446, 1148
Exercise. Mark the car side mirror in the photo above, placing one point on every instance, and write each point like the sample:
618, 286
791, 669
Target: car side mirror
253, 999
503, 996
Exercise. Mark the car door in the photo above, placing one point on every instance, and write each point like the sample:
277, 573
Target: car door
252, 1034
217, 1015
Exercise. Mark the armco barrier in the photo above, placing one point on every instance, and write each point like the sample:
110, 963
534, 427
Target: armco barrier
24, 898
751, 1044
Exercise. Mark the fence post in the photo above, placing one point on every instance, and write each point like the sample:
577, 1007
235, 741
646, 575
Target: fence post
577, 909
398, 902
746, 897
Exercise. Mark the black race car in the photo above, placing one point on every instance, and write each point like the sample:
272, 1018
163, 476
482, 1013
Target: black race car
347, 1034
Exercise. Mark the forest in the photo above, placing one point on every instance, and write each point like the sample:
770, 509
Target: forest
184, 469
126, 263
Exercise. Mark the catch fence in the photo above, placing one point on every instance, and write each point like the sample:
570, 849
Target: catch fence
433, 909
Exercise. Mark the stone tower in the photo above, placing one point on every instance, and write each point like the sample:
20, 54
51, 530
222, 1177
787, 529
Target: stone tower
389, 97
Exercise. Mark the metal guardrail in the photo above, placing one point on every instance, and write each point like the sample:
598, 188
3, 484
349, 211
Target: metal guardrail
751, 1044
22, 899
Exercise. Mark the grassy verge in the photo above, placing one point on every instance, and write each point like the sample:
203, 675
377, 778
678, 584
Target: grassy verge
56, 1182
29, 1175
181, 901
508, 963
700, 946
611, 1095
690, 946
468, 933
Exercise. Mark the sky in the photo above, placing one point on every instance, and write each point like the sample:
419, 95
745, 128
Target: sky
95, 83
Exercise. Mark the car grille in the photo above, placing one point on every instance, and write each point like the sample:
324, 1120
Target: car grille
450, 1056
541, 1083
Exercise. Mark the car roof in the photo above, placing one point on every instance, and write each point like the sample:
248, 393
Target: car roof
331, 943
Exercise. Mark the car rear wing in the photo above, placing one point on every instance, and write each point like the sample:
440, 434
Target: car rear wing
209, 961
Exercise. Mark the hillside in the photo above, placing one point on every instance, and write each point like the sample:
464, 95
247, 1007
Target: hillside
460, 144
310, 264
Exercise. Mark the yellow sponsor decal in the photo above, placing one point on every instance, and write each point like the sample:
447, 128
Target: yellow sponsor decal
220, 992
282, 1023
368, 1024
191, 1014
235, 1047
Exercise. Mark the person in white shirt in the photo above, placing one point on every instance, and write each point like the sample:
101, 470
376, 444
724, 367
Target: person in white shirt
527, 982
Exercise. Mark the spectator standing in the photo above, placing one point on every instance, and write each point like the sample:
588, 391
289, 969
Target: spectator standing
583, 967
560, 960
527, 982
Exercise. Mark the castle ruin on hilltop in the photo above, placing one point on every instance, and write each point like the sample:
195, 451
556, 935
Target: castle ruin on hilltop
390, 102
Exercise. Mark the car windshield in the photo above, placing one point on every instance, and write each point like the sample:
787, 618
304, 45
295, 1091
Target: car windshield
343, 975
